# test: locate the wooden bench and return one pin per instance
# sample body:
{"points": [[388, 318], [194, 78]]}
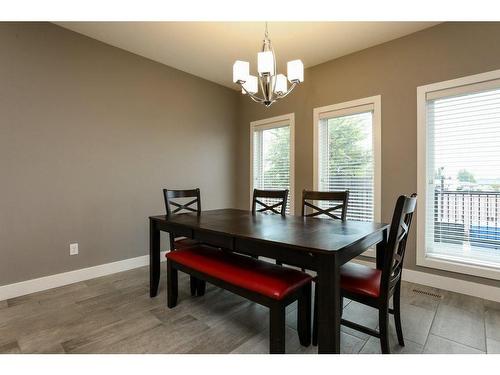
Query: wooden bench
{"points": [[261, 282]]}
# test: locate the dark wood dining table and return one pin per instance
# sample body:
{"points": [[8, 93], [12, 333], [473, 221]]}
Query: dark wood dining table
{"points": [[320, 245]]}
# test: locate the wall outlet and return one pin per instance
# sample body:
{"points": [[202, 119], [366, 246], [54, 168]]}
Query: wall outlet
{"points": [[73, 249]]}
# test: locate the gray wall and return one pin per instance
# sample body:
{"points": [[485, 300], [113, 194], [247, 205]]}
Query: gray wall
{"points": [[393, 70], [89, 135]]}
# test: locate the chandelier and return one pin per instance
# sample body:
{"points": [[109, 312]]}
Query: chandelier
{"points": [[273, 86]]}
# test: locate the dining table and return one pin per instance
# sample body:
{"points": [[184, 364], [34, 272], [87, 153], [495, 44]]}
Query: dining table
{"points": [[311, 243]]}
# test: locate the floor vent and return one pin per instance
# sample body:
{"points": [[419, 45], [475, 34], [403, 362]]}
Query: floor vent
{"points": [[427, 293]]}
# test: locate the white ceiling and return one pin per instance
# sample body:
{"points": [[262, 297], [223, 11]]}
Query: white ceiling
{"points": [[208, 49]]}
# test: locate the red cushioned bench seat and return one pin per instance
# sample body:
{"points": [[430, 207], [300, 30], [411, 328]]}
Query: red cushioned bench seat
{"points": [[262, 282], [244, 272]]}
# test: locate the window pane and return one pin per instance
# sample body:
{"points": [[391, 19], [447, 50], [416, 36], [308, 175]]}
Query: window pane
{"points": [[346, 161], [463, 159], [271, 164]]}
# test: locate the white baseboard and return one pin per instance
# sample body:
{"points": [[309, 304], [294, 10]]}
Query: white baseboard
{"points": [[48, 282], [451, 284], [469, 288]]}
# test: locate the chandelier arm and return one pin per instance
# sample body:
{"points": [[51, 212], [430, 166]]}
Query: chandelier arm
{"points": [[288, 92], [262, 88], [269, 85], [273, 81], [256, 99], [252, 96]]}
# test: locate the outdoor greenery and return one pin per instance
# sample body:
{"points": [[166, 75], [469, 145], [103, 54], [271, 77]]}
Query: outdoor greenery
{"points": [[464, 175], [346, 143], [277, 154], [346, 137]]}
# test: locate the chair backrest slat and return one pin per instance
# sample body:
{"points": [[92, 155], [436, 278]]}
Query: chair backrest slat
{"points": [[275, 201], [169, 195], [341, 198], [396, 243]]}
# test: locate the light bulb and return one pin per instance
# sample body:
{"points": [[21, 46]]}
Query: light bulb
{"points": [[265, 62], [295, 70], [251, 85], [241, 70], [281, 84]]}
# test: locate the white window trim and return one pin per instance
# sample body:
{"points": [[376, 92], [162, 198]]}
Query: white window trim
{"points": [[422, 258], [270, 123], [347, 107]]}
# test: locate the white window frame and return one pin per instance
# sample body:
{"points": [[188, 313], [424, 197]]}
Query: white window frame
{"points": [[352, 107], [270, 123], [482, 80]]}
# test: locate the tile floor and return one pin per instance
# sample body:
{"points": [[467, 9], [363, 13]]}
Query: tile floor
{"points": [[114, 314]]}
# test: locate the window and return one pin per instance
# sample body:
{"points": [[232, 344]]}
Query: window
{"points": [[347, 154], [459, 175], [272, 155]]}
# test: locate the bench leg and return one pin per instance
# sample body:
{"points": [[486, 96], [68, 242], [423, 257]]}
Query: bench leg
{"points": [[172, 285], [277, 329], [304, 315], [193, 284], [201, 286]]}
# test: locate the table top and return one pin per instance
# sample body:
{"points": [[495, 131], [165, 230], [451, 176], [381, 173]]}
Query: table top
{"points": [[315, 234]]}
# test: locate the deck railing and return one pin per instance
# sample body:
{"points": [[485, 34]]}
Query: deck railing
{"points": [[467, 216]]}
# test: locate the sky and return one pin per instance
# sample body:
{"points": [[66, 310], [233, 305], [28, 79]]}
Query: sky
{"points": [[467, 134]]}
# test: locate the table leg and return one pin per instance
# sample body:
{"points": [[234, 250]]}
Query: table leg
{"points": [[381, 249], [154, 259], [329, 308]]}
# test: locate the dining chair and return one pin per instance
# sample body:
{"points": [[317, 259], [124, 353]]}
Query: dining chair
{"points": [[270, 201], [375, 286], [339, 198], [175, 207]]}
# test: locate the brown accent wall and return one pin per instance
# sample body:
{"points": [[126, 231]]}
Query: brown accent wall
{"points": [[89, 135], [392, 70]]}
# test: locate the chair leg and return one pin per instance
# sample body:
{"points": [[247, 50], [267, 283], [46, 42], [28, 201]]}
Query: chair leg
{"points": [[397, 313], [304, 316], [193, 285], [315, 318], [383, 321], [201, 286], [277, 329], [172, 285]]}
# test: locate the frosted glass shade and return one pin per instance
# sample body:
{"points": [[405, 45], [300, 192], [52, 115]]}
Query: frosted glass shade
{"points": [[295, 70], [241, 70], [281, 84], [251, 85], [265, 62]]}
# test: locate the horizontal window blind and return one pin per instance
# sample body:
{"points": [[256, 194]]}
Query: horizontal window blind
{"points": [[271, 159], [463, 172], [346, 158]]}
